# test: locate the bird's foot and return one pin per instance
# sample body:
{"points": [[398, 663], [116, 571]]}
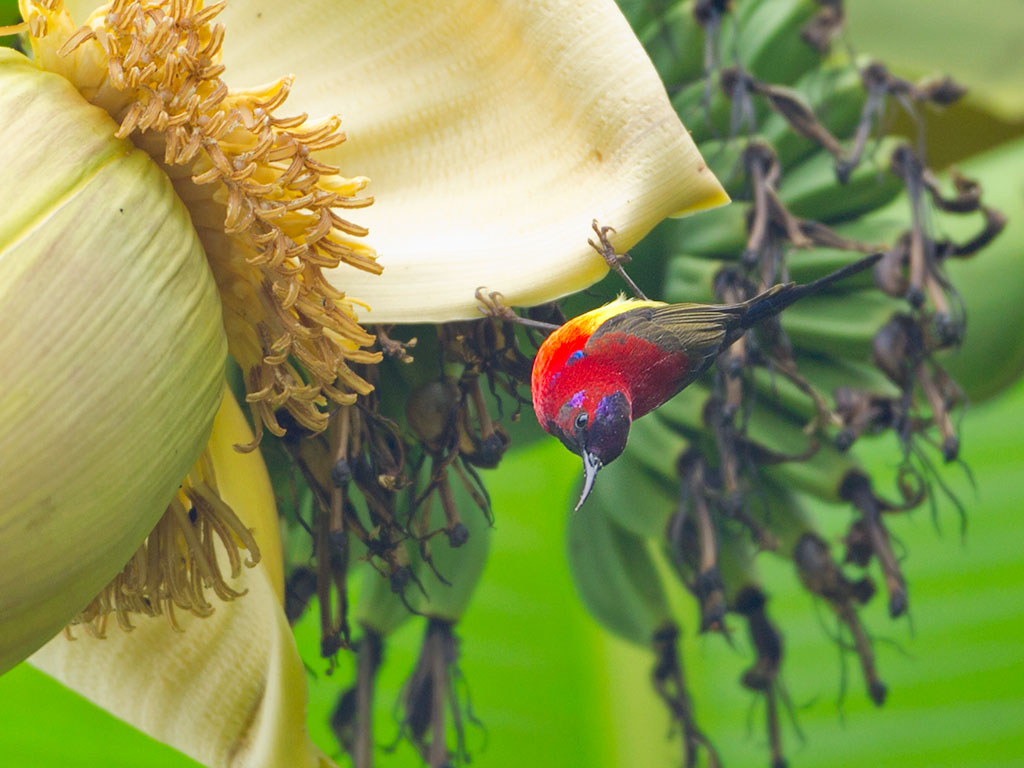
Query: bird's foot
{"points": [[395, 348], [492, 304], [614, 260]]}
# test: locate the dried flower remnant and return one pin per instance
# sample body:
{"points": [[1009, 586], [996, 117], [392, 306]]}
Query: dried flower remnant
{"points": [[178, 563]]}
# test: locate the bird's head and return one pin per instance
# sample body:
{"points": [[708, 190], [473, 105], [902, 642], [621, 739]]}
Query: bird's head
{"points": [[593, 423]]}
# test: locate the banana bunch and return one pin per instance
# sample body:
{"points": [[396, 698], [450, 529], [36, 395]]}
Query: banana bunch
{"points": [[438, 590], [716, 474], [394, 525]]}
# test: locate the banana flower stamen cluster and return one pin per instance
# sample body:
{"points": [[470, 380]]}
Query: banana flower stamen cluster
{"points": [[155, 68]]}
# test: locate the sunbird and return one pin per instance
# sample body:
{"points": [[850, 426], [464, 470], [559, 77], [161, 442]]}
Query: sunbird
{"points": [[599, 372]]}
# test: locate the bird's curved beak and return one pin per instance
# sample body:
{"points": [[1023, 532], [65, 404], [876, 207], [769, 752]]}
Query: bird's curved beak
{"points": [[590, 466]]}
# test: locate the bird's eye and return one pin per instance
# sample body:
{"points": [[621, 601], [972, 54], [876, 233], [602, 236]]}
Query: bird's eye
{"points": [[581, 420]]}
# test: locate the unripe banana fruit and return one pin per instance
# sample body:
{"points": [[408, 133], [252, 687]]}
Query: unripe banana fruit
{"points": [[112, 350], [992, 356], [616, 577]]}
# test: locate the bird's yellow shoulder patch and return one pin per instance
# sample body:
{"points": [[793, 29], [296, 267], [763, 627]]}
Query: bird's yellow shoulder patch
{"points": [[590, 321]]}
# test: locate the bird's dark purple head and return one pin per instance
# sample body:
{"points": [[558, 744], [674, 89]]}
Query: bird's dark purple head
{"points": [[600, 436], [606, 434]]}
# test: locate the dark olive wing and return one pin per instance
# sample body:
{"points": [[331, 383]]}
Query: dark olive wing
{"points": [[697, 330], [691, 328]]}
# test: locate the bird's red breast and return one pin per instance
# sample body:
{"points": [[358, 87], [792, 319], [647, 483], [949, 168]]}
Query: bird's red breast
{"points": [[581, 361]]}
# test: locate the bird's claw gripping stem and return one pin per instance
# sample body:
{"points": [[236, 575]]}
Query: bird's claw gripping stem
{"points": [[492, 304], [614, 260]]}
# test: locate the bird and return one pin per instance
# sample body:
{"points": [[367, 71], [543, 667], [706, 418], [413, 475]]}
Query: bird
{"points": [[602, 370]]}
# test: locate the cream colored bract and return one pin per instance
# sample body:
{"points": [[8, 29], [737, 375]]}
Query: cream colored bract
{"points": [[493, 134]]}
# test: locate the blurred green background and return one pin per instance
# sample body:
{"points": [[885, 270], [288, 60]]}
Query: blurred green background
{"points": [[551, 688]]}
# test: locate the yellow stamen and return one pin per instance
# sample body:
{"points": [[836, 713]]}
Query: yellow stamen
{"points": [[266, 210], [177, 564]]}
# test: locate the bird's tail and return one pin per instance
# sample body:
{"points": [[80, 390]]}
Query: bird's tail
{"points": [[778, 297]]}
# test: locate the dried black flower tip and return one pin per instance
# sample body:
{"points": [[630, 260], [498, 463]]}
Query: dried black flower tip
{"points": [[750, 603], [942, 91], [343, 718], [670, 685], [400, 578], [858, 544], [820, 575], [856, 488], [710, 11], [897, 348], [352, 718], [949, 331], [891, 272], [430, 697], [341, 473], [861, 413], [824, 26], [330, 644], [299, 589], [458, 535]]}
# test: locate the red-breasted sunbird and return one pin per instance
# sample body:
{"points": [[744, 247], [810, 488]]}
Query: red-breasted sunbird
{"points": [[601, 371]]}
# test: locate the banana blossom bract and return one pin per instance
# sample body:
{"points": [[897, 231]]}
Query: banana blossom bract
{"points": [[490, 136]]}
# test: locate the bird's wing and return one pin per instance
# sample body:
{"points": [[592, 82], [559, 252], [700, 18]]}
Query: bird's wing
{"points": [[699, 326], [690, 328], [696, 330]]}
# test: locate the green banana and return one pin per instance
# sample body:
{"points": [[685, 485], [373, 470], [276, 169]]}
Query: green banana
{"points": [[810, 189], [807, 266], [615, 575], [820, 476], [763, 30], [720, 233], [675, 43], [826, 374], [379, 605], [641, 492], [844, 327], [705, 120], [787, 518], [641, 14], [691, 278]]}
